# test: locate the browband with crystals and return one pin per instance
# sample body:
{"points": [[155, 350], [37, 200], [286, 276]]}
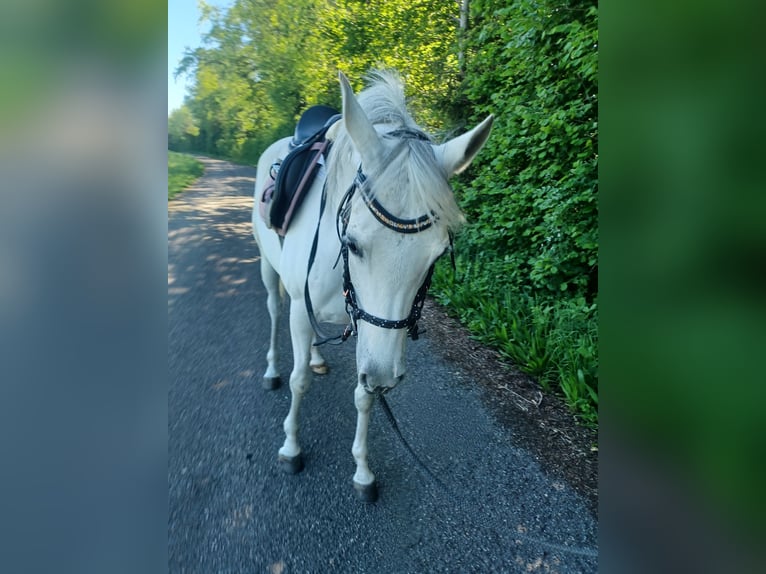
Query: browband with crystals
{"points": [[389, 220]]}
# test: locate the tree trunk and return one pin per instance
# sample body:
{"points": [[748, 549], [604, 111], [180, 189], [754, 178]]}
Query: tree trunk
{"points": [[461, 35]]}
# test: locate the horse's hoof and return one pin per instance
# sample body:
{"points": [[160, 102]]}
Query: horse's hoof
{"points": [[367, 492], [271, 383], [291, 464], [321, 369]]}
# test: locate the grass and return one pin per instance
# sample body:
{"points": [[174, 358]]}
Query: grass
{"points": [[555, 341], [183, 170]]}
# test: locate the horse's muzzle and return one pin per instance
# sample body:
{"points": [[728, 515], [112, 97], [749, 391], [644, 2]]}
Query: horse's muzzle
{"points": [[379, 384]]}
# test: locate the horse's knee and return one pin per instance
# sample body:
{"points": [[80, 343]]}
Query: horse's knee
{"points": [[362, 400], [300, 382]]}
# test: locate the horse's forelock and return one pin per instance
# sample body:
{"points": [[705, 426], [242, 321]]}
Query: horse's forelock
{"points": [[384, 102]]}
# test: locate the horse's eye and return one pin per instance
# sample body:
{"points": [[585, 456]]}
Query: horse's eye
{"points": [[352, 247]]}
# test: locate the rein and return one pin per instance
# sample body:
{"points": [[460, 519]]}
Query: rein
{"points": [[394, 425], [322, 338], [456, 498]]}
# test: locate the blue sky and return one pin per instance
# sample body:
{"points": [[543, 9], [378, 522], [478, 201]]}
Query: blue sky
{"points": [[184, 32]]}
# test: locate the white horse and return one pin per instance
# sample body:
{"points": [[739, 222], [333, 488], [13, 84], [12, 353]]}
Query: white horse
{"points": [[389, 209]]}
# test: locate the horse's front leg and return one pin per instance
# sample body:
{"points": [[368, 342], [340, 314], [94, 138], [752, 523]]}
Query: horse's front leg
{"points": [[300, 380], [270, 279], [364, 480]]}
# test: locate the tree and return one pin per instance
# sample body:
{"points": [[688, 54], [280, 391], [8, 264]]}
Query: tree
{"points": [[265, 61], [182, 129]]}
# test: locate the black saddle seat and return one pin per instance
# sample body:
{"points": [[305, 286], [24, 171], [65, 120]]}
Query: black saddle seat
{"points": [[311, 121]]}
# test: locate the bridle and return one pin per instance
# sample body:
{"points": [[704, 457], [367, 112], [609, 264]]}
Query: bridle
{"points": [[383, 216], [399, 225]]}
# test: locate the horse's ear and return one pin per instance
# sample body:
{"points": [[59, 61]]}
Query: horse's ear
{"points": [[457, 154], [359, 127]]}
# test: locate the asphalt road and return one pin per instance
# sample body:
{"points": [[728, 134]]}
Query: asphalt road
{"points": [[231, 507]]}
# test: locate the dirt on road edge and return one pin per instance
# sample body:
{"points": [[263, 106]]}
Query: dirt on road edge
{"points": [[563, 448]]}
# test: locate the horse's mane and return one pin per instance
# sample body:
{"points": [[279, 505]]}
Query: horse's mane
{"points": [[414, 166]]}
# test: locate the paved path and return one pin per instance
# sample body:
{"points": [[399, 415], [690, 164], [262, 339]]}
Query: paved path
{"points": [[233, 510]]}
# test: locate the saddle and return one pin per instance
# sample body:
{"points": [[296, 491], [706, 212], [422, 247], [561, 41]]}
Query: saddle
{"points": [[291, 178]]}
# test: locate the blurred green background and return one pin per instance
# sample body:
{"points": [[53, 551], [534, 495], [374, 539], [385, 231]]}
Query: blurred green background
{"points": [[682, 320], [683, 247]]}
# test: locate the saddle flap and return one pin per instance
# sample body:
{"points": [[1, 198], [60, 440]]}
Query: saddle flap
{"points": [[285, 190], [295, 175]]}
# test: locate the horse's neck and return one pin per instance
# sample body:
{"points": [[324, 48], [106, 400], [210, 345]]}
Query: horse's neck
{"points": [[337, 185]]}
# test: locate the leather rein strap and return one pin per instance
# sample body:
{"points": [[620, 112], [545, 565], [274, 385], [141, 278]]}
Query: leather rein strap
{"points": [[322, 338]]}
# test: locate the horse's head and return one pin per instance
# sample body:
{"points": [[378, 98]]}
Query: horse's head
{"points": [[395, 222]]}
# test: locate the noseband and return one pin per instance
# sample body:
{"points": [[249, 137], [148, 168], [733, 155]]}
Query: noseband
{"points": [[355, 312]]}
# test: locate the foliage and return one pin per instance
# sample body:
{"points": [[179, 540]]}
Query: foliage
{"points": [[539, 169], [182, 171], [182, 129], [264, 62], [529, 250], [554, 340]]}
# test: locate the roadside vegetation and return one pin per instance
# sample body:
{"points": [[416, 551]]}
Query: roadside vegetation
{"points": [[183, 170], [528, 256]]}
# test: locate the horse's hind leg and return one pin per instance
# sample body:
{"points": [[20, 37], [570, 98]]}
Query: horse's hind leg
{"points": [[317, 362], [270, 279], [300, 380]]}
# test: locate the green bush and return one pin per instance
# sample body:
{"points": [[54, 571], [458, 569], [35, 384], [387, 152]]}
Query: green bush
{"points": [[533, 65], [529, 252]]}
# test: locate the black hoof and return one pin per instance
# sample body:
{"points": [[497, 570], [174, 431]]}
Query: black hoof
{"points": [[291, 464], [271, 383], [367, 492]]}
